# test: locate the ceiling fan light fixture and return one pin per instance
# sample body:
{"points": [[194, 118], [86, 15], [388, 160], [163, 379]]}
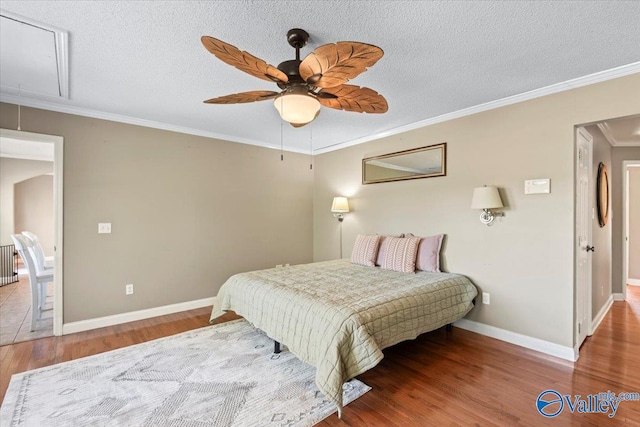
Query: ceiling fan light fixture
{"points": [[297, 108]]}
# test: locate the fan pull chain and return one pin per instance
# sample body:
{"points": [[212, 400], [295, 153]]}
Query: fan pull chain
{"points": [[281, 144], [311, 148], [19, 108]]}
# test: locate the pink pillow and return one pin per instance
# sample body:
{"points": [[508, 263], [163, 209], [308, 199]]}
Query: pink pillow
{"points": [[428, 258], [365, 250], [384, 242], [400, 254]]}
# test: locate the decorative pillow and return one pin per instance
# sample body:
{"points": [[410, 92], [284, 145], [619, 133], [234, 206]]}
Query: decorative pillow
{"points": [[365, 250], [428, 258], [401, 254], [384, 242]]}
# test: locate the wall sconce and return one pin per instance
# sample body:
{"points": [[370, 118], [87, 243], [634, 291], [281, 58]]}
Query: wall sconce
{"points": [[487, 198], [340, 207]]}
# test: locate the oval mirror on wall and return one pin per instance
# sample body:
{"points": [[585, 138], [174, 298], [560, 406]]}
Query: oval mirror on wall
{"points": [[602, 195]]}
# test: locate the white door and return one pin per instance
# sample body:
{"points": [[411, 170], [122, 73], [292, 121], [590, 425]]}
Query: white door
{"points": [[584, 215]]}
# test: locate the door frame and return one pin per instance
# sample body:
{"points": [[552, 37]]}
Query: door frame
{"points": [[626, 164], [58, 177], [590, 214]]}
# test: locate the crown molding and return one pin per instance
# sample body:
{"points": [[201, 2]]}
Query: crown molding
{"points": [[85, 112], [601, 76]]}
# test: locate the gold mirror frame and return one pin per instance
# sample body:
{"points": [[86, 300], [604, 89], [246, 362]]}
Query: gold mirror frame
{"points": [[602, 195], [423, 162]]}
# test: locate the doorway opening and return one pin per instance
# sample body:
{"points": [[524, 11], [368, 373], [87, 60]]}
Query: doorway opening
{"points": [[611, 250], [32, 173], [630, 225]]}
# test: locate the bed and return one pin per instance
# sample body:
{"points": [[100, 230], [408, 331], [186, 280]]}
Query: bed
{"points": [[338, 316]]}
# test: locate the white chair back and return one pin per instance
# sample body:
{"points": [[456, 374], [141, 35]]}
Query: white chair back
{"points": [[37, 281], [36, 250], [22, 245]]}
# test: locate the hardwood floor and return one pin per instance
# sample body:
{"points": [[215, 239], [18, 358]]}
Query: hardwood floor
{"points": [[441, 378]]}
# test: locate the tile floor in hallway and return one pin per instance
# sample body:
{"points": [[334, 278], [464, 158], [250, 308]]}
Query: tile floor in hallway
{"points": [[15, 313]]}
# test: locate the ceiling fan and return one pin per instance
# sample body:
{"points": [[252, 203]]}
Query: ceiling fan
{"points": [[305, 85]]}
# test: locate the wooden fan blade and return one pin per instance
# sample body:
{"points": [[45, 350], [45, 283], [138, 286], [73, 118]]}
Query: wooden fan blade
{"points": [[243, 61], [243, 97], [355, 98], [331, 65]]}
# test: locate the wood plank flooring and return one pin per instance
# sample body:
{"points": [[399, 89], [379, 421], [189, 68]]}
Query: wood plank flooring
{"points": [[441, 378]]}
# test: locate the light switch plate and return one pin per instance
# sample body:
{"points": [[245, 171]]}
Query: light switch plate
{"points": [[537, 186], [104, 227]]}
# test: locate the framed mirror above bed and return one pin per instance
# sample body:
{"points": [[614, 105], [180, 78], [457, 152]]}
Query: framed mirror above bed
{"points": [[423, 162]]}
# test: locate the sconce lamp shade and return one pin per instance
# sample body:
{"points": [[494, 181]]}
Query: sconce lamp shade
{"points": [[340, 205], [486, 198], [297, 108]]}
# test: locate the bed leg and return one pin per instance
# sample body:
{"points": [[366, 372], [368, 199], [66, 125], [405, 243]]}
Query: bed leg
{"points": [[276, 347], [449, 327]]}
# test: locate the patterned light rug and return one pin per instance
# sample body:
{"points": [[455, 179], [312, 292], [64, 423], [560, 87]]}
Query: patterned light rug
{"points": [[223, 375]]}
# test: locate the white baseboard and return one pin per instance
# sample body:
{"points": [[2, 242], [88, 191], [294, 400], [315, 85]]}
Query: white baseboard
{"points": [[618, 297], [536, 344], [633, 282], [603, 312], [132, 316]]}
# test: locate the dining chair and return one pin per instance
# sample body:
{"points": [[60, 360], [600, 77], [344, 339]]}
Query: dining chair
{"points": [[42, 261], [37, 281]]}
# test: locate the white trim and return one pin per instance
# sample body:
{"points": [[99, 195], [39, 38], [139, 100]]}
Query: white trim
{"points": [[42, 158], [618, 297], [58, 217], [604, 128], [603, 312], [58, 213], [132, 316], [601, 76], [85, 112], [553, 349], [598, 77], [633, 282]]}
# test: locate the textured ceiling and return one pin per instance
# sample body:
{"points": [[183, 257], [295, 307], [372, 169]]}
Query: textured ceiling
{"points": [[144, 59]]}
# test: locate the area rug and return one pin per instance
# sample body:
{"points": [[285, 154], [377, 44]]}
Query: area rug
{"points": [[222, 375]]}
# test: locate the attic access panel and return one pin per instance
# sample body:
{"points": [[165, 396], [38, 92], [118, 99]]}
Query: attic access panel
{"points": [[33, 58]]}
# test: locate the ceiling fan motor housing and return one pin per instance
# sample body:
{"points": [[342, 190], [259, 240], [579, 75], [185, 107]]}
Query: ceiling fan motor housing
{"points": [[292, 69]]}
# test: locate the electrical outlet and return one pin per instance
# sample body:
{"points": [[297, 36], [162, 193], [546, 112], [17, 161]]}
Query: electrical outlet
{"points": [[279, 266], [286, 265], [486, 298], [128, 289], [104, 227]]}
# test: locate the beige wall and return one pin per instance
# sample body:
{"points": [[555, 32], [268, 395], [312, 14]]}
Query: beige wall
{"points": [[634, 223], [526, 259], [600, 236], [13, 171], [186, 212], [618, 155], [33, 209]]}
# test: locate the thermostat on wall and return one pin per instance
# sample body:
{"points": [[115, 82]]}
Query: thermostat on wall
{"points": [[537, 186]]}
